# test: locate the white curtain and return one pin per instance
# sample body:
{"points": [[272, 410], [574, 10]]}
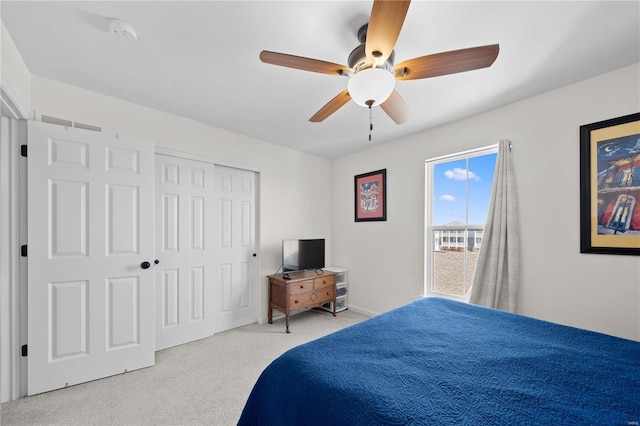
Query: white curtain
{"points": [[497, 276]]}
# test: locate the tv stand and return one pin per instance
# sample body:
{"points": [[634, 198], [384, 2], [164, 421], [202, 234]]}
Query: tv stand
{"points": [[302, 291]]}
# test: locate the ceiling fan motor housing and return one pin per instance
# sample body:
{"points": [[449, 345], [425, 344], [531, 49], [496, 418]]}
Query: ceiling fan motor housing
{"points": [[357, 60], [358, 57]]}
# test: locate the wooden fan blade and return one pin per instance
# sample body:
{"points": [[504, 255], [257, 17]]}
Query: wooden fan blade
{"points": [[387, 17], [445, 63], [301, 63], [395, 108], [332, 106]]}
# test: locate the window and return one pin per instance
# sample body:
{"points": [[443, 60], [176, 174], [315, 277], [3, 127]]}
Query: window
{"points": [[458, 188]]}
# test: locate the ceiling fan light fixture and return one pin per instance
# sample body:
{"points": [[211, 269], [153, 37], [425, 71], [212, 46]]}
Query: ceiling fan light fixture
{"points": [[372, 84]]}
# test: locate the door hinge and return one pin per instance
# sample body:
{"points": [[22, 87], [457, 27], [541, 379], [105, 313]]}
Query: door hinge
{"points": [[23, 150], [23, 250], [24, 350]]}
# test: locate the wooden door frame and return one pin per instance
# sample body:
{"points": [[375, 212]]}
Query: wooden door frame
{"points": [[13, 214]]}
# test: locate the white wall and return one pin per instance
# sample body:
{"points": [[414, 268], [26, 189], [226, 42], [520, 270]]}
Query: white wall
{"points": [[597, 292], [15, 77], [285, 174]]}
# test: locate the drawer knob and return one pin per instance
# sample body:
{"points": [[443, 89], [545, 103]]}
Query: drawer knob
{"points": [[301, 286], [295, 301]]}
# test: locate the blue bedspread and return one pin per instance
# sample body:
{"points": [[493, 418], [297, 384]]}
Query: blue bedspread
{"points": [[440, 362]]}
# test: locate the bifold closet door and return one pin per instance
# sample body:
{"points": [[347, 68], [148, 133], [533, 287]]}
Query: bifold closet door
{"points": [[236, 259], [185, 277], [90, 230]]}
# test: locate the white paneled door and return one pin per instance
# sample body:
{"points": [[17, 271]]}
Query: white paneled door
{"points": [[90, 232], [185, 279], [235, 258]]}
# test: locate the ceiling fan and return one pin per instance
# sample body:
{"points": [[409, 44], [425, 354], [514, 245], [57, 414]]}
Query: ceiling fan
{"points": [[371, 70]]}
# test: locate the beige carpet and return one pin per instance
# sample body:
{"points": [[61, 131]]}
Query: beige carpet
{"points": [[201, 383]]}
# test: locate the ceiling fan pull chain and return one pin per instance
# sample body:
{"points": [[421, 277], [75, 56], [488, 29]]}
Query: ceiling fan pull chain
{"points": [[370, 103]]}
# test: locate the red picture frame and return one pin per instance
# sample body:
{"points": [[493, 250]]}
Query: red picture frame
{"points": [[370, 196]]}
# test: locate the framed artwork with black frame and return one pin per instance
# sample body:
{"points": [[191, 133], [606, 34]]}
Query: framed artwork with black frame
{"points": [[610, 186], [371, 196]]}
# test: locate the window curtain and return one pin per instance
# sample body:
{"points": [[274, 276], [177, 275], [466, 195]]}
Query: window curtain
{"points": [[497, 276]]}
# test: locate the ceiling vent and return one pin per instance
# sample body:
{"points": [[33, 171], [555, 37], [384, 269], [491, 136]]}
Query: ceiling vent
{"points": [[69, 123]]}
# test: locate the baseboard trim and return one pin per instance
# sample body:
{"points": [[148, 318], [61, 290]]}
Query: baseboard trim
{"points": [[362, 311]]}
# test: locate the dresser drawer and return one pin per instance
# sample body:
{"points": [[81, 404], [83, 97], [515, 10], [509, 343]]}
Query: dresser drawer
{"points": [[311, 298], [301, 287], [328, 293], [322, 282], [302, 300]]}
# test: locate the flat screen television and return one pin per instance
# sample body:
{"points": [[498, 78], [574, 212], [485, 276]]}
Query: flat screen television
{"points": [[302, 255]]}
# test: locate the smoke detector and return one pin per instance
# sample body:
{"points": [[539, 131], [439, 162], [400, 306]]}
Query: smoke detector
{"points": [[122, 29]]}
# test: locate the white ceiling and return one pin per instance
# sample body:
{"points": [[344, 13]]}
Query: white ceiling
{"points": [[200, 59]]}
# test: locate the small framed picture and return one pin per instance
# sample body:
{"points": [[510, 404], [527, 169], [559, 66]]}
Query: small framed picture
{"points": [[371, 196], [610, 186]]}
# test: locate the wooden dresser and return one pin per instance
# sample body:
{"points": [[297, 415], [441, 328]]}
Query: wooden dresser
{"points": [[304, 290]]}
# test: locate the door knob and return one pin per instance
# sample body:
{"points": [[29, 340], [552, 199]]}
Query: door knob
{"points": [[145, 265], [254, 254], [156, 261]]}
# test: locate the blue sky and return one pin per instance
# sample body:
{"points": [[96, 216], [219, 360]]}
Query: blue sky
{"points": [[450, 190]]}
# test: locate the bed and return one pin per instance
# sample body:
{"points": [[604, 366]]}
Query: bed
{"points": [[441, 362]]}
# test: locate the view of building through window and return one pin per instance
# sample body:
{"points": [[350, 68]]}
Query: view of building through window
{"points": [[458, 192]]}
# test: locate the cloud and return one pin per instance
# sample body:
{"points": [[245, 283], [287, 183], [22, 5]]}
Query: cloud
{"points": [[461, 174], [447, 197]]}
